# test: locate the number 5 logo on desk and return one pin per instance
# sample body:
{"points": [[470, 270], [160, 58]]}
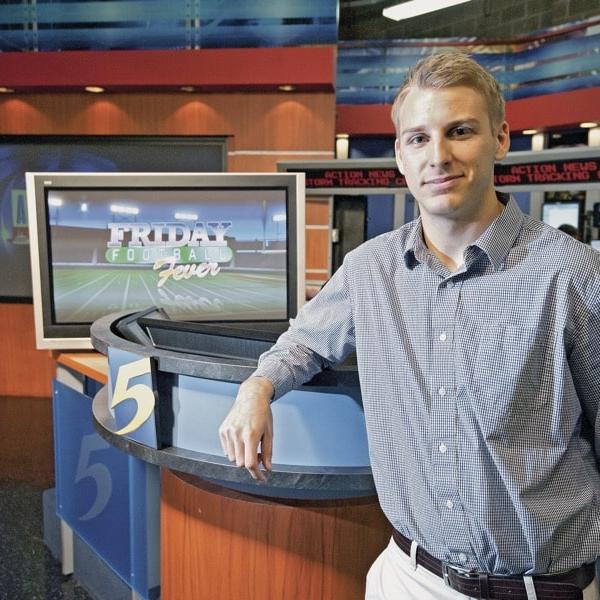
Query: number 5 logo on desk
{"points": [[134, 419]]}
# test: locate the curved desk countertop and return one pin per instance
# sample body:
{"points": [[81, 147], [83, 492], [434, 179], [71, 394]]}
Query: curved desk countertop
{"points": [[320, 446]]}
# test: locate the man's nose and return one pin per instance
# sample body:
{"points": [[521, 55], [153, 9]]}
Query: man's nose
{"points": [[439, 152]]}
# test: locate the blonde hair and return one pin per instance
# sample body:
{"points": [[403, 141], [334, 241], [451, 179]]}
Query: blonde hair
{"points": [[448, 69]]}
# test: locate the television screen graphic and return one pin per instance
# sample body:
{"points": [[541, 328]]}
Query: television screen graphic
{"points": [[199, 254]]}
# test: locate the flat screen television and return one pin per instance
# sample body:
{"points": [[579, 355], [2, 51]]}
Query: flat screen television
{"points": [[201, 247]]}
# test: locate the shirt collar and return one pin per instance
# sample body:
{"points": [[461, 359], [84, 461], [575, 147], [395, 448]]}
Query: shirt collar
{"points": [[414, 245], [495, 241]]}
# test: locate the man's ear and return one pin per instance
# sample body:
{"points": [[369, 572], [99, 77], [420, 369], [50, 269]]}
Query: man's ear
{"points": [[502, 141], [398, 156]]}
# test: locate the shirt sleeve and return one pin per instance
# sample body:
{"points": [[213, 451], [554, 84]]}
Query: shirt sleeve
{"points": [[322, 334], [585, 363]]}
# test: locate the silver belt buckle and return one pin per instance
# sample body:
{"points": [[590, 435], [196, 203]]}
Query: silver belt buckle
{"points": [[462, 572]]}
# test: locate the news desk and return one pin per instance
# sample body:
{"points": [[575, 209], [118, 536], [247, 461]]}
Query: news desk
{"points": [[310, 532]]}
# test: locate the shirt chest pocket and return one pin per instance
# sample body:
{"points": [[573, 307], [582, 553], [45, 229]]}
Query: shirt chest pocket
{"points": [[507, 367]]}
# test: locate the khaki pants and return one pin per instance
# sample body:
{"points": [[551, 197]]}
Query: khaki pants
{"points": [[392, 577]]}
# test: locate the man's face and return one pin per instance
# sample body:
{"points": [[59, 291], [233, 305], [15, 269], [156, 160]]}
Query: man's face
{"points": [[446, 150]]}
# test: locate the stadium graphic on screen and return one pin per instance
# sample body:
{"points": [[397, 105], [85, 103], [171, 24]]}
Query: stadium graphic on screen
{"points": [[114, 250]]}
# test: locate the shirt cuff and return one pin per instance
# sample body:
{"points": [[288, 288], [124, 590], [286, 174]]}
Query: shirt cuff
{"points": [[279, 375]]}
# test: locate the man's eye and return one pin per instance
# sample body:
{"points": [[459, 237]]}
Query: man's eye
{"points": [[460, 131], [416, 139]]}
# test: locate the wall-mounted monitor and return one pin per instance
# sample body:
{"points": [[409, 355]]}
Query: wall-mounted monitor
{"points": [[201, 247], [82, 153]]}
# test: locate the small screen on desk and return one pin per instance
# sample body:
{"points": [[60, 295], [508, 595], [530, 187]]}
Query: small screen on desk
{"points": [[561, 213]]}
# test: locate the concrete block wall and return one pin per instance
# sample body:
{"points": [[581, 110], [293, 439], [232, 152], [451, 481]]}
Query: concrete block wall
{"points": [[483, 19]]}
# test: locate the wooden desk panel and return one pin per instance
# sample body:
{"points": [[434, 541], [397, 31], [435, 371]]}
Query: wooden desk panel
{"points": [[217, 544]]}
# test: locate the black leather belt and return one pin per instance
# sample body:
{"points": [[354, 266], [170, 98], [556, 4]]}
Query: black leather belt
{"points": [[553, 586]]}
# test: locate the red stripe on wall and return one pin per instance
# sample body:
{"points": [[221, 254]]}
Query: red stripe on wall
{"points": [[553, 110], [254, 68]]}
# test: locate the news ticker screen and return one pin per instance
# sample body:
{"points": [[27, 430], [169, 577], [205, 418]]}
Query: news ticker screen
{"points": [[529, 173]]}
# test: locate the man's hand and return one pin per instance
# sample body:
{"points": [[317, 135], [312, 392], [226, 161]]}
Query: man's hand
{"points": [[248, 424]]}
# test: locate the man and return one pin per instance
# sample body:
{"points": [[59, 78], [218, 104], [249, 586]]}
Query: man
{"points": [[477, 334], [570, 230]]}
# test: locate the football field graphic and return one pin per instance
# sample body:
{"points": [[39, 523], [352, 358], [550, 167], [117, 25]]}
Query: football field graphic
{"points": [[197, 254], [82, 294]]}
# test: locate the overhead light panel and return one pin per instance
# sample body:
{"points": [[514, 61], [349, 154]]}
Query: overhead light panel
{"points": [[342, 146], [414, 8], [588, 125], [94, 89], [530, 131], [184, 216], [124, 210]]}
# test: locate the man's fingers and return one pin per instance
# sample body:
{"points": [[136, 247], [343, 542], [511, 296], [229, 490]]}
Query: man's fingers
{"points": [[228, 450], [256, 473], [228, 446], [243, 451], [239, 454], [251, 459], [266, 448]]}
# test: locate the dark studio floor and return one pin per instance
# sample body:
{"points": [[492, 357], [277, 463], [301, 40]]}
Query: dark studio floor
{"points": [[27, 569]]}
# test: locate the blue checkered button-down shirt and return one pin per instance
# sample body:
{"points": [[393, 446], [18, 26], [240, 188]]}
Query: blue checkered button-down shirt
{"points": [[481, 389]]}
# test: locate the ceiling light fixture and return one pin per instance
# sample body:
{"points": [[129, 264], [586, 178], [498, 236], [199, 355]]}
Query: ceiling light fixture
{"points": [[530, 131], [5, 90], [588, 125], [342, 146], [124, 210], [184, 216], [94, 89], [414, 8], [287, 88], [187, 88]]}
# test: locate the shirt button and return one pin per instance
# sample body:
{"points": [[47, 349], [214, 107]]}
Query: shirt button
{"points": [[449, 504], [450, 284], [442, 448], [442, 391], [462, 557], [443, 336]]}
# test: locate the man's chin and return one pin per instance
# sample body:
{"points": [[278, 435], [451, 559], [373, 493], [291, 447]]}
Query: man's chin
{"points": [[441, 205]]}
